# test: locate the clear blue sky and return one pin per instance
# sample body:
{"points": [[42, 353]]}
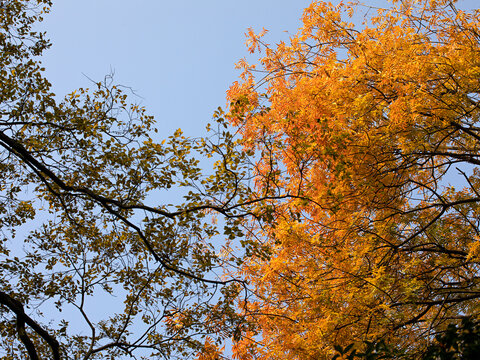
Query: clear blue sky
{"points": [[178, 55]]}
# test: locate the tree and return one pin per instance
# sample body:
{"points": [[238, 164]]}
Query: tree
{"points": [[376, 129], [82, 218], [462, 342]]}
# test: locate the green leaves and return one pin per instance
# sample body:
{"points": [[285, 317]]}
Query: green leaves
{"points": [[87, 214]]}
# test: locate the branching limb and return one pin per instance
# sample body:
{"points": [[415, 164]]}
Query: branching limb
{"points": [[22, 319]]}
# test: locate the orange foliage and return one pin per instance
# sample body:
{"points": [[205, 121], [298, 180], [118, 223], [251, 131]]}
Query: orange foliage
{"points": [[365, 128], [210, 350]]}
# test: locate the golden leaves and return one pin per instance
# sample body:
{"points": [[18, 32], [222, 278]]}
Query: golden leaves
{"points": [[253, 40], [366, 124]]}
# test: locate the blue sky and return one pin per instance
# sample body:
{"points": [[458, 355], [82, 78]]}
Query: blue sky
{"points": [[178, 55]]}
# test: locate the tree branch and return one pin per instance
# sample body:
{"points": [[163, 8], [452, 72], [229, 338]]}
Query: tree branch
{"points": [[22, 319]]}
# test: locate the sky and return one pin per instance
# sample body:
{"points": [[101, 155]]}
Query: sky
{"points": [[178, 56]]}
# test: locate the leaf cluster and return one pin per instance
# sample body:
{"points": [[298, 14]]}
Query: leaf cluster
{"points": [[372, 130]]}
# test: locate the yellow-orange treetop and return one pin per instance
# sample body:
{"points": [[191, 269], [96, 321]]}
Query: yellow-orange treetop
{"points": [[374, 129]]}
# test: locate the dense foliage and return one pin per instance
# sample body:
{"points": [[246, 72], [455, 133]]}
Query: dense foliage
{"points": [[354, 234], [376, 128], [460, 341]]}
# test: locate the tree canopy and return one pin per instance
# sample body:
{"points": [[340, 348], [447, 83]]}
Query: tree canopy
{"points": [[335, 213], [375, 127], [84, 220]]}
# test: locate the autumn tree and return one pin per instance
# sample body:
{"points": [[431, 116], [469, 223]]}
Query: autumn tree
{"points": [[375, 127], [94, 262]]}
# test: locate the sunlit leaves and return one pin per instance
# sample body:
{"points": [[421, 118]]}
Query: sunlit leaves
{"points": [[373, 130]]}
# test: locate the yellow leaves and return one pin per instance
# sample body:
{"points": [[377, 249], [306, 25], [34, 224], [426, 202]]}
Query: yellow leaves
{"points": [[361, 122], [244, 349], [210, 350], [253, 40], [25, 210], [474, 251]]}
